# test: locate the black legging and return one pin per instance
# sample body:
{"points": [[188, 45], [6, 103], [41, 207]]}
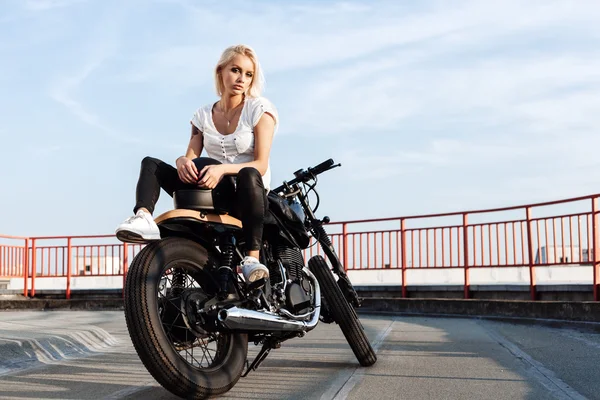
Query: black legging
{"points": [[250, 203]]}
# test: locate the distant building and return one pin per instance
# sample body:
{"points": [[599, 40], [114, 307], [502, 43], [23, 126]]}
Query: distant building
{"points": [[561, 255], [98, 265]]}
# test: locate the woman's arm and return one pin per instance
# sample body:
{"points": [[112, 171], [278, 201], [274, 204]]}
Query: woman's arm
{"points": [[195, 145], [186, 169]]}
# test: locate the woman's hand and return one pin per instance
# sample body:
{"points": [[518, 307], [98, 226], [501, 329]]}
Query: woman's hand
{"points": [[211, 175], [187, 171]]}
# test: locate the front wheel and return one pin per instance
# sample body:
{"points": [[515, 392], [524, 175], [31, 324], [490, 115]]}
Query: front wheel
{"points": [[168, 280], [342, 312]]}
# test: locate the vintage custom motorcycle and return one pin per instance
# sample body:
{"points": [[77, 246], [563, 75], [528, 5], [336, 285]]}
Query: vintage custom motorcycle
{"points": [[191, 315]]}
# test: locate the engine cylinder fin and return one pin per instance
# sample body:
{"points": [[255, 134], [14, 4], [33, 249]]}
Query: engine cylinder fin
{"points": [[292, 260]]}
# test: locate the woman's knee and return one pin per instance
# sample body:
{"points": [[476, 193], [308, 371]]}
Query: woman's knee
{"points": [[202, 162], [249, 179], [146, 161], [249, 174]]}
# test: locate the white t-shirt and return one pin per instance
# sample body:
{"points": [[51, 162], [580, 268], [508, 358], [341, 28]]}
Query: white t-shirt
{"points": [[237, 147]]}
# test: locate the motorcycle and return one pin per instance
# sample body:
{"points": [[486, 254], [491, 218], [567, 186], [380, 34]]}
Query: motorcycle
{"points": [[191, 315]]}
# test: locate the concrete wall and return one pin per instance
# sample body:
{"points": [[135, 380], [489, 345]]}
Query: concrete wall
{"points": [[478, 276], [77, 283], [557, 275]]}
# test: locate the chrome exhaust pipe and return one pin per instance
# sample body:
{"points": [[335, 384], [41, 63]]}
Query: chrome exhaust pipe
{"points": [[242, 320]]}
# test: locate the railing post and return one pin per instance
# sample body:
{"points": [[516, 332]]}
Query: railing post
{"points": [[69, 268], [26, 269], [345, 241], [596, 253], [33, 267], [403, 257], [125, 264], [466, 254], [532, 289]]}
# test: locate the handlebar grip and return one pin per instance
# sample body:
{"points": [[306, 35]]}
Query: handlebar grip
{"points": [[324, 166]]}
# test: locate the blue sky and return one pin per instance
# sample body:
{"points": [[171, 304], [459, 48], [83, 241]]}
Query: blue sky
{"points": [[430, 107]]}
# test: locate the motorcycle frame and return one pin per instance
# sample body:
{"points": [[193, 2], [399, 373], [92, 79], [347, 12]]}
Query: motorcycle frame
{"points": [[185, 223]]}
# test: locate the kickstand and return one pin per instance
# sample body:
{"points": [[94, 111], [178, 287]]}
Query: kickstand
{"points": [[262, 354]]}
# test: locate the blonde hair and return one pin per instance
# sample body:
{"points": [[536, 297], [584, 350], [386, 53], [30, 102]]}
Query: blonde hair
{"points": [[257, 84]]}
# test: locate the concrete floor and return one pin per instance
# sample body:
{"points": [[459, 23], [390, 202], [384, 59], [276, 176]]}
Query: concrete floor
{"points": [[88, 355]]}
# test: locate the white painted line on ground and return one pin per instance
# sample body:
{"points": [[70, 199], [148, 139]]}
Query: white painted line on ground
{"points": [[345, 382], [537, 370], [18, 354], [124, 393]]}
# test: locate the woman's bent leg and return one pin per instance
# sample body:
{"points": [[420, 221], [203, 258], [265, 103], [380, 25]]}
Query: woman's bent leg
{"points": [[154, 175], [251, 204]]}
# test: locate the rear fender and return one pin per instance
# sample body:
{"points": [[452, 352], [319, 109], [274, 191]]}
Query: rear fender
{"points": [[197, 226], [200, 216]]}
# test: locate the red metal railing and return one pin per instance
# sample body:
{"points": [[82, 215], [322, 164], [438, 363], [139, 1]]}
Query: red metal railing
{"points": [[14, 258], [526, 236], [520, 241], [73, 261]]}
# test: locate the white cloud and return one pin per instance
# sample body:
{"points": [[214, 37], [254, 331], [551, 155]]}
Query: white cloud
{"points": [[439, 154], [472, 103], [44, 5], [102, 45], [331, 9], [383, 91], [349, 66], [468, 104], [481, 85], [176, 68], [45, 151], [293, 36], [63, 91]]}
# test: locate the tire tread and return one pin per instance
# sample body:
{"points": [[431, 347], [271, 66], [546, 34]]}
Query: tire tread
{"points": [[143, 335], [342, 313]]}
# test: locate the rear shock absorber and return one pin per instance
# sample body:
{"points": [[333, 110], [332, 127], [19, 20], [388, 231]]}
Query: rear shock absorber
{"points": [[178, 281], [226, 268]]}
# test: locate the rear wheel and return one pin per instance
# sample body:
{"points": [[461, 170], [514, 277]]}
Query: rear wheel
{"points": [[342, 312], [165, 285]]}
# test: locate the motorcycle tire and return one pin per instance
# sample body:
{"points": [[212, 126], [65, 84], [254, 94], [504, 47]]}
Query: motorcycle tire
{"points": [[148, 333], [342, 312]]}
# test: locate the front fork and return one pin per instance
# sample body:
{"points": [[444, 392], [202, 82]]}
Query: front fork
{"points": [[316, 227], [337, 267]]}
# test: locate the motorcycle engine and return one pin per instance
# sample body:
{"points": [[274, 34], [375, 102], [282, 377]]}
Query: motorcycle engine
{"points": [[297, 293], [296, 299]]}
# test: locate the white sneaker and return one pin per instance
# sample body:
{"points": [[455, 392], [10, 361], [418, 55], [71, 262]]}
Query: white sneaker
{"points": [[140, 228], [253, 270]]}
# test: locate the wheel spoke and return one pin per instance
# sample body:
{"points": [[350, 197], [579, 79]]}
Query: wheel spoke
{"points": [[206, 350], [177, 279], [187, 352], [172, 324], [203, 354]]}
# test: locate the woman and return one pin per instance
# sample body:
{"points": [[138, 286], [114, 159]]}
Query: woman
{"points": [[236, 132]]}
